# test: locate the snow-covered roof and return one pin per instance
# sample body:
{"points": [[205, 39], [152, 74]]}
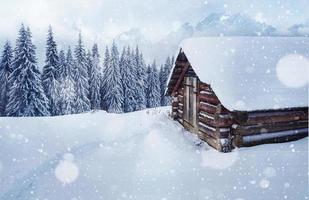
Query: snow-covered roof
{"points": [[252, 73]]}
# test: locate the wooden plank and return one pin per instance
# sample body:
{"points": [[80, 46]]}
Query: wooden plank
{"points": [[213, 142], [210, 98], [174, 109], [205, 87], [181, 91], [275, 116], [284, 117], [222, 123], [175, 104], [180, 120], [180, 98], [272, 127], [207, 109], [180, 78], [181, 63], [205, 114], [286, 137], [180, 115], [208, 131]]}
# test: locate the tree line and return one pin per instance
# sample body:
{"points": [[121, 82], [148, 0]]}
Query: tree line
{"points": [[75, 81]]}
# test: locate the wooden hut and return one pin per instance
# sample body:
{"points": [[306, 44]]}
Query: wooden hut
{"points": [[241, 91]]}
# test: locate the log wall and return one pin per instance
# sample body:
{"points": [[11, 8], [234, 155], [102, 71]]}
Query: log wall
{"points": [[269, 126], [214, 121]]}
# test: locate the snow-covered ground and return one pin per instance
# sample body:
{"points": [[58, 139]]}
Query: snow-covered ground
{"points": [[141, 155]]}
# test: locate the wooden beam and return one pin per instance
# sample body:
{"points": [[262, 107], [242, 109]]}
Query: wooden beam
{"points": [[182, 75], [271, 127], [274, 116], [209, 98], [286, 137]]}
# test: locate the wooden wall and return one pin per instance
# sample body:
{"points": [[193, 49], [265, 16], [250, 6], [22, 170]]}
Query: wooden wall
{"points": [[269, 126], [214, 121]]}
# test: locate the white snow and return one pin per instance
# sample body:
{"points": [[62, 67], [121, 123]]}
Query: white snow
{"points": [[294, 77], [140, 155], [252, 73], [66, 172]]}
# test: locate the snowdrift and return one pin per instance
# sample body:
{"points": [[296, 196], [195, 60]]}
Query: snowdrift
{"points": [[140, 155]]}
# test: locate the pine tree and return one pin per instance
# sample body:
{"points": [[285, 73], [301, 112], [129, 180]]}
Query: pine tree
{"points": [[161, 80], [66, 103], [106, 65], [26, 96], [113, 96], [153, 87], [94, 75], [164, 74], [147, 88], [122, 66], [88, 63], [129, 82], [81, 78], [51, 72], [61, 65], [140, 80], [6, 68]]}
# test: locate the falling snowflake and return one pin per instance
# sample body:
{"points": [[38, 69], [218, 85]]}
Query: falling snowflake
{"points": [[264, 183], [67, 171], [292, 70]]}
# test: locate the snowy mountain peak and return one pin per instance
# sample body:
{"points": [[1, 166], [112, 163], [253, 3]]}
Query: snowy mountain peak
{"points": [[238, 24]]}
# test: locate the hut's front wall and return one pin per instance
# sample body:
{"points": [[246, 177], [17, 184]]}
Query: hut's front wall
{"points": [[213, 121]]}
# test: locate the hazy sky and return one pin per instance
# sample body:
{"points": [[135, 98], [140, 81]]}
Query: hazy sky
{"points": [[101, 20]]}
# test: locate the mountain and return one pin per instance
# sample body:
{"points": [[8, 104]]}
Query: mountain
{"points": [[131, 37], [217, 24], [301, 29]]}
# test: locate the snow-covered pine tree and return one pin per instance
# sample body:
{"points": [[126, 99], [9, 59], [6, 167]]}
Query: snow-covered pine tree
{"points": [[135, 88], [172, 62], [26, 95], [61, 65], [113, 95], [88, 63], [161, 80], [66, 103], [129, 82], [140, 77], [103, 86], [122, 66], [51, 72], [60, 72], [154, 87], [147, 88], [6, 68], [164, 74], [81, 78], [94, 79]]}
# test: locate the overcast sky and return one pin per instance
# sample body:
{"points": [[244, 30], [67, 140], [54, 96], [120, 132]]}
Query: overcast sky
{"points": [[101, 20]]}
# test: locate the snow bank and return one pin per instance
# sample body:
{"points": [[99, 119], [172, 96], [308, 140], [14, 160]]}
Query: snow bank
{"points": [[140, 155], [253, 73]]}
